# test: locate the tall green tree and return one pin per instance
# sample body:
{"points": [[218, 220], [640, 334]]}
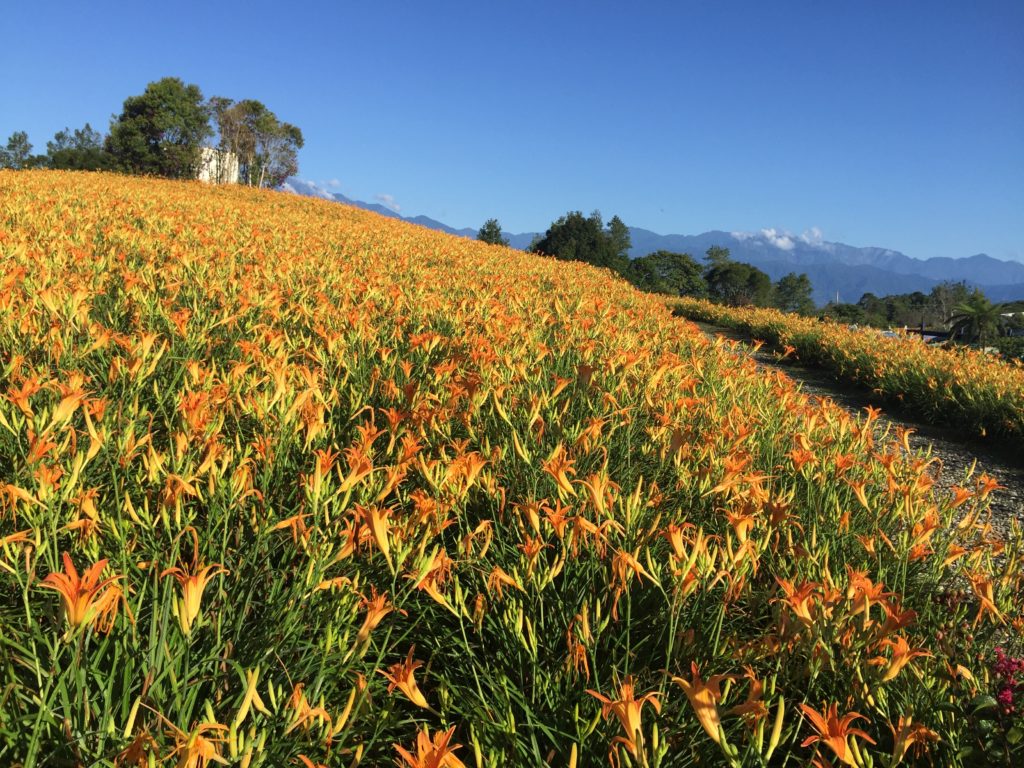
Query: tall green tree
{"points": [[17, 154], [716, 256], [79, 150], [677, 274], [792, 293], [619, 240], [976, 320], [576, 237], [734, 282], [491, 233], [160, 132], [266, 147]]}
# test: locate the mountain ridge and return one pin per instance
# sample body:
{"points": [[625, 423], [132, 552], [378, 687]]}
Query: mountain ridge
{"points": [[833, 268]]}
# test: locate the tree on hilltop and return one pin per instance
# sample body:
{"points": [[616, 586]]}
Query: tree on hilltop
{"points": [[792, 293], [491, 233], [79, 150], [160, 132], [734, 282], [716, 256], [575, 237], [266, 147], [18, 152], [676, 274]]}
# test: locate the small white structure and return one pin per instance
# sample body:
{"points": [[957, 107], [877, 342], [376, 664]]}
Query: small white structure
{"points": [[217, 167]]}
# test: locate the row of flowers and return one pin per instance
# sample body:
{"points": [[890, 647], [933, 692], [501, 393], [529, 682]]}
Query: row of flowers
{"points": [[958, 386]]}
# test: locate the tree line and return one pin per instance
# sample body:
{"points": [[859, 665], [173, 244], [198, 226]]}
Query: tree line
{"points": [[952, 308], [966, 314], [162, 132], [577, 237]]}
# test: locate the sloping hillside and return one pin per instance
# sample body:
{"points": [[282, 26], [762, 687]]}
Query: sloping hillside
{"points": [[286, 482]]}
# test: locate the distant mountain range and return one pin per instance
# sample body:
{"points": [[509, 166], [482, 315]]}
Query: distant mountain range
{"points": [[835, 269]]}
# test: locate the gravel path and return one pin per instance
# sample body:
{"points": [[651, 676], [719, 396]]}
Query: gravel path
{"points": [[955, 451]]}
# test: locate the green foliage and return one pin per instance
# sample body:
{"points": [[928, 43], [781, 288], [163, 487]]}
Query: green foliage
{"points": [[491, 233], [618, 238], [931, 310], [735, 283], [716, 256], [793, 294], [844, 313], [266, 147], [677, 274], [160, 132], [1011, 346], [976, 320], [18, 152], [79, 150], [575, 237]]}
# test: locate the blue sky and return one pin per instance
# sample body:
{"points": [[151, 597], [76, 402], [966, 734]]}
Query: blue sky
{"points": [[895, 124]]}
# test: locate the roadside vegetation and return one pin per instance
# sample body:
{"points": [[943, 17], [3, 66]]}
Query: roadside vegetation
{"points": [[954, 385], [287, 483]]}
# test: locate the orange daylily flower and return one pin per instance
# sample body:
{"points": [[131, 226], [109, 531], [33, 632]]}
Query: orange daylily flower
{"points": [[834, 731], [499, 579], [436, 752], [704, 698], [902, 654], [560, 467], [377, 607], [192, 583], [359, 466], [137, 752], [401, 676], [87, 599], [960, 495], [624, 566], [376, 518], [600, 492], [984, 591], [754, 708], [906, 734], [197, 748], [304, 715], [18, 537], [296, 524], [800, 599], [862, 591], [627, 708], [435, 576]]}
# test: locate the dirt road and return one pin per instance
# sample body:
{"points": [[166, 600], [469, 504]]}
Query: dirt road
{"points": [[956, 452]]}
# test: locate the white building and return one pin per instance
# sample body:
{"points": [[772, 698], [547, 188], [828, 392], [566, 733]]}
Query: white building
{"points": [[217, 167]]}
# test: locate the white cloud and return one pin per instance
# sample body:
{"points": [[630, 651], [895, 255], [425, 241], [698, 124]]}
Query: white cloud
{"points": [[388, 201], [333, 183], [307, 188], [813, 236], [781, 240], [741, 236]]}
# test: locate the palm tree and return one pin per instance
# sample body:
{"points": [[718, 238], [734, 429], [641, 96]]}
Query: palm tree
{"points": [[975, 320]]}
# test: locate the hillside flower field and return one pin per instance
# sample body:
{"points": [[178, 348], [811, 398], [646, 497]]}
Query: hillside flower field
{"points": [[957, 386], [287, 483]]}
